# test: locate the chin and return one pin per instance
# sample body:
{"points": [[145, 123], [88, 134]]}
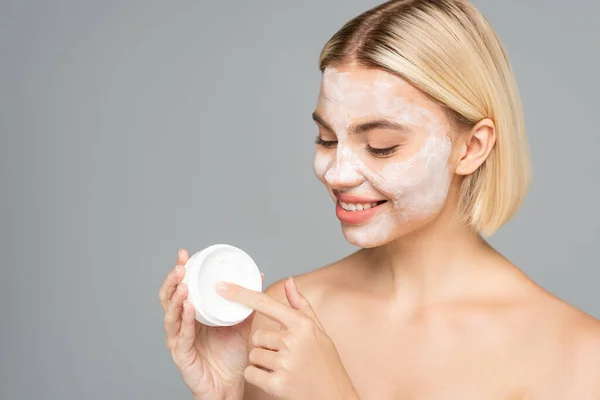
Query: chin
{"points": [[386, 229]]}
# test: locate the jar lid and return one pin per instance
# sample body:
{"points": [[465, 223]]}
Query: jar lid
{"points": [[220, 262]]}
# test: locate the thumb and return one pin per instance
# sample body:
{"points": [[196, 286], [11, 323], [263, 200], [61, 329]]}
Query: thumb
{"points": [[298, 301]]}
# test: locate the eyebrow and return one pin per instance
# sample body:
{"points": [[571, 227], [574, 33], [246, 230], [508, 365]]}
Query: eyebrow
{"points": [[365, 126]]}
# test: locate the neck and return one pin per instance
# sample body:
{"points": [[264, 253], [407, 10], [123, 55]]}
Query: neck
{"points": [[439, 262]]}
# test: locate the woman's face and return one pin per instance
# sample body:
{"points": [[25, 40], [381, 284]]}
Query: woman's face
{"points": [[383, 153]]}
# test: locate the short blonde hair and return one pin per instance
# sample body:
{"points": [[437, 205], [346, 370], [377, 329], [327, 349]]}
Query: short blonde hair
{"points": [[448, 50]]}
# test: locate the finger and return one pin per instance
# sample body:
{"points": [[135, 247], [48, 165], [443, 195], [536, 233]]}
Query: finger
{"points": [[263, 358], [258, 377], [187, 333], [267, 339], [261, 302], [173, 315], [182, 256], [299, 302], [169, 285]]}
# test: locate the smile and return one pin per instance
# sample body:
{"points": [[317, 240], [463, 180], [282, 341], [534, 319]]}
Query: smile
{"points": [[357, 213], [353, 207]]}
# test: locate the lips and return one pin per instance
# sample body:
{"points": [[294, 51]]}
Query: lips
{"points": [[354, 210], [348, 198], [358, 206]]}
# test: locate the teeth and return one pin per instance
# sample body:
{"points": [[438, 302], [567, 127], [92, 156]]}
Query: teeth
{"points": [[356, 206]]}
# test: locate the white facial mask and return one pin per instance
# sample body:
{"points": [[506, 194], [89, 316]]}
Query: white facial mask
{"points": [[415, 187]]}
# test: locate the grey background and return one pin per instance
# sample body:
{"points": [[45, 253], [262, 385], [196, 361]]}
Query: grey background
{"points": [[132, 128]]}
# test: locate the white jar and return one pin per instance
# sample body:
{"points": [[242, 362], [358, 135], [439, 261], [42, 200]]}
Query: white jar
{"points": [[220, 262]]}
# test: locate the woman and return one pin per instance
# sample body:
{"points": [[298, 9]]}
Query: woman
{"points": [[422, 148]]}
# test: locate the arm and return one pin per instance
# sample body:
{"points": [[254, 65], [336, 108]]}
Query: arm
{"points": [[587, 371], [582, 366]]}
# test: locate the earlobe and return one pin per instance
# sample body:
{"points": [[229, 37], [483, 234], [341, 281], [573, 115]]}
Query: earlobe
{"points": [[479, 143]]}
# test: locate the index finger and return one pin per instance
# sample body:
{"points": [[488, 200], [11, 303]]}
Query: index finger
{"points": [[261, 302]]}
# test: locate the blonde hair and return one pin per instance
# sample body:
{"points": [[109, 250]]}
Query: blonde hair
{"points": [[448, 50]]}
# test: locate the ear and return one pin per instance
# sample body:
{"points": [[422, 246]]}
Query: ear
{"points": [[477, 146]]}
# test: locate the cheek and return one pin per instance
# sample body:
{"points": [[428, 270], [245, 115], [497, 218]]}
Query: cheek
{"points": [[321, 163], [422, 179], [396, 179]]}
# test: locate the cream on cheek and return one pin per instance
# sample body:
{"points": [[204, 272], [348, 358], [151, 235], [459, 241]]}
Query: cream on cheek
{"points": [[419, 185], [416, 186]]}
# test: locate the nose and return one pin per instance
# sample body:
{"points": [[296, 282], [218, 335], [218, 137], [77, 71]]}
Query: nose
{"points": [[344, 169]]}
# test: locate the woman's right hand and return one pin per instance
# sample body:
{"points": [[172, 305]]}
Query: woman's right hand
{"points": [[211, 360]]}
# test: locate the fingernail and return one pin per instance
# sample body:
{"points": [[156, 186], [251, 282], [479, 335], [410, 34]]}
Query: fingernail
{"points": [[221, 287], [179, 251], [293, 283]]}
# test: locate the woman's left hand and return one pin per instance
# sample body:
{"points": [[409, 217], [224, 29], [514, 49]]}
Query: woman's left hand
{"points": [[301, 359]]}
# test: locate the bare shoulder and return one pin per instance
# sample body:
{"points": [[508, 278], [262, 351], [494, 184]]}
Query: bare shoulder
{"points": [[580, 328], [579, 353], [584, 334]]}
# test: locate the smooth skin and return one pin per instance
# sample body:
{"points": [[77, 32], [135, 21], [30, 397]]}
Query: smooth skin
{"points": [[508, 340], [433, 314]]}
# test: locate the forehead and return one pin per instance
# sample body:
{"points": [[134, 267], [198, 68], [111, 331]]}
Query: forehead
{"points": [[369, 89]]}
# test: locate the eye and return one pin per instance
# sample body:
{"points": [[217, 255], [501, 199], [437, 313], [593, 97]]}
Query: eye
{"points": [[382, 152], [327, 143]]}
